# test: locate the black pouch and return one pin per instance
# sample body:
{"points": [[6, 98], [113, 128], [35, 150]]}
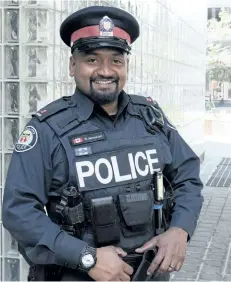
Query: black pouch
{"points": [[105, 221], [136, 212]]}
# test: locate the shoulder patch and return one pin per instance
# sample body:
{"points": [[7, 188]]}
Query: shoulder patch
{"points": [[27, 139]]}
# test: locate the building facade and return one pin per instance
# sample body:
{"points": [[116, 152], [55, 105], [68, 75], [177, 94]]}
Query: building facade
{"points": [[167, 63]]}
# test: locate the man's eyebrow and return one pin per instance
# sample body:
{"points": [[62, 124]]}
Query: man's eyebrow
{"points": [[97, 54], [90, 53], [118, 54]]}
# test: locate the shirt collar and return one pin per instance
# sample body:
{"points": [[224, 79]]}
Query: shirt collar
{"points": [[123, 102], [85, 105]]}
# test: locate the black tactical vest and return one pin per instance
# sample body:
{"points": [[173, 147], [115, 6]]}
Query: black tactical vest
{"points": [[120, 164]]}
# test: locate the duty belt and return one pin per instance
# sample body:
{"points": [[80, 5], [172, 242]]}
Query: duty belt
{"points": [[133, 260], [140, 264]]}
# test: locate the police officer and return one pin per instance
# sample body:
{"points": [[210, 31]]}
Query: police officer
{"points": [[80, 195]]}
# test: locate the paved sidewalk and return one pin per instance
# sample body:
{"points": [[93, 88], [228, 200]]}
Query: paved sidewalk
{"points": [[209, 251]]}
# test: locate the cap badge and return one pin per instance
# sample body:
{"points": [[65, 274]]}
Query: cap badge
{"points": [[106, 26]]}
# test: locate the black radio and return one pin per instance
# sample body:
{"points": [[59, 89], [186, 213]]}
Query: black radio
{"points": [[71, 211], [105, 221]]}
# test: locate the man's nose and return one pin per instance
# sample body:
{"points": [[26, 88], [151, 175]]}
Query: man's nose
{"points": [[106, 70]]}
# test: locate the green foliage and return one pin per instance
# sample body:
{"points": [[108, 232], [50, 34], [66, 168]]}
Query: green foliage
{"points": [[219, 49]]}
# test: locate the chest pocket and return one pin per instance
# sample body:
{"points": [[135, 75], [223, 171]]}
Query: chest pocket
{"points": [[135, 212]]}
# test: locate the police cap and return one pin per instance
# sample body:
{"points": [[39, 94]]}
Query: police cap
{"points": [[99, 26]]}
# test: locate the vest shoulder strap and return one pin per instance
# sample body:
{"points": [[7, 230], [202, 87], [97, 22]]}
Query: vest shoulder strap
{"points": [[150, 111], [161, 118], [53, 108]]}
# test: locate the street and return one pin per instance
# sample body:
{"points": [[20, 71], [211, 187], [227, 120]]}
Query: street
{"points": [[209, 251]]}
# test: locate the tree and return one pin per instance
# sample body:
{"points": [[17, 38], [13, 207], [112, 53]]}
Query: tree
{"points": [[219, 48]]}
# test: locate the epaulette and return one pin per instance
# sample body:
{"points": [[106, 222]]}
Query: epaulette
{"points": [[53, 108], [142, 100]]}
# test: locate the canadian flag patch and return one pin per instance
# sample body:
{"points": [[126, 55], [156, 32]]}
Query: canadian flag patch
{"points": [[77, 140]]}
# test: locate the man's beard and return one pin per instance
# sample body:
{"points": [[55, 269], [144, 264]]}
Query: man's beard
{"points": [[106, 96]]}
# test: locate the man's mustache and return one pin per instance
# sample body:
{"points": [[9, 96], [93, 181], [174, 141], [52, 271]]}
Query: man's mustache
{"points": [[115, 79]]}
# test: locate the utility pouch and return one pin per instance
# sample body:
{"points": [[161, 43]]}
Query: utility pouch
{"points": [[105, 221], [136, 212]]}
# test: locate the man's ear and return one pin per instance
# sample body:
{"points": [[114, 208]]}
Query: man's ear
{"points": [[128, 62], [72, 66]]}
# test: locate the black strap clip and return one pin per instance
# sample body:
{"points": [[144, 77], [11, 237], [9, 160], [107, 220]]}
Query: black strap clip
{"points": [[153, 118]]}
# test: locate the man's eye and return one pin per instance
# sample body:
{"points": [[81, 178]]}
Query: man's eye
{"points": [[117, 61], [91, 60]]}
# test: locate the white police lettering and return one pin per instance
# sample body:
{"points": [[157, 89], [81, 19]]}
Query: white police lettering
{"points": [[141, 172], [81, 174], [132, 164], [106, 171], [118, 177], [109, 168], [150, 160]]}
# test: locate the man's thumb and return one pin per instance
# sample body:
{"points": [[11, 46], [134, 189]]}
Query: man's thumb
{"points": [[147, 246]]}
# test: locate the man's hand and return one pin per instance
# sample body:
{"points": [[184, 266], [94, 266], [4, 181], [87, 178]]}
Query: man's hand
{"points": [[109, 266], [171, 250]]}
